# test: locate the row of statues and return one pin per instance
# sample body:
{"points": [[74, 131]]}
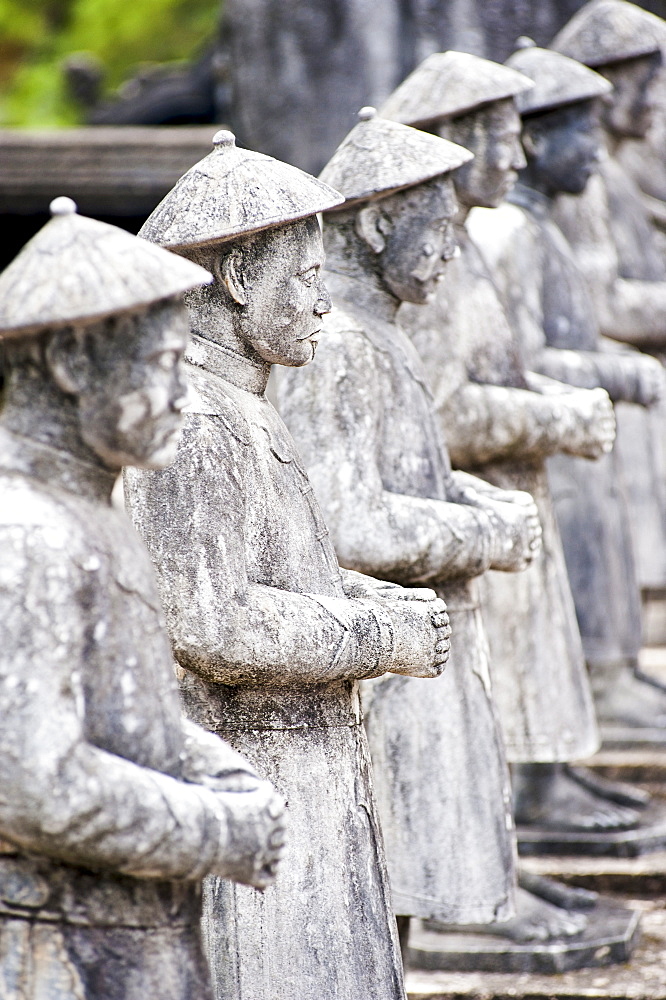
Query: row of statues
{"points": [[425, 568]]}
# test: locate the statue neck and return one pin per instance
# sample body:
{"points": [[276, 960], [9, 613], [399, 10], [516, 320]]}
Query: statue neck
{"points": [[533, 179], [42, 439], [349, 258], [218, 347]]}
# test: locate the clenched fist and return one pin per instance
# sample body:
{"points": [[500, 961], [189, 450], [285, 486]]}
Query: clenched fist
{"points": [[252, 835], [591, 422], [421, 634], [517, 530], [646, 376]]}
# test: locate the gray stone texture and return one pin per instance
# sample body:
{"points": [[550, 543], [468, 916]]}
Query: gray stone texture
{"points": [[437, 751], [300, 70], [501, 426], [616, 246], [364, 420], [553, 318], [272, 636], [113, 807]]}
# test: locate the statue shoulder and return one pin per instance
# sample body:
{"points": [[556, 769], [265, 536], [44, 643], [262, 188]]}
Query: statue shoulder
{"points": [[44, 538], [344, 337], [213, 397]]}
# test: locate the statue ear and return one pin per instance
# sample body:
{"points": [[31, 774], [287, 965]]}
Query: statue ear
{"points": [[530, 143], [372, 227], [231, 278], [67, 360]]}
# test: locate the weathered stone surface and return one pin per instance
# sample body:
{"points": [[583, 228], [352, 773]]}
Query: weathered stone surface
{"points": [[113, 807], [364, 420], [644, 875], [393, 156], [645, 838], [105, 274], [610, 937], [606, 31], [551, 314], [641, 979], [301, 69], [449, 84], [612, 235], [232, 192], [274, 637], [500, 428], [497, 423], [557, 79]]}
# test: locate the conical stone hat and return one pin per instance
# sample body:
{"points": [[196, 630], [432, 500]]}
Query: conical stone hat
{"points": [[447, 84], [379, 157], [558, 80], [607, 31], [233, 192], [78, 270]]}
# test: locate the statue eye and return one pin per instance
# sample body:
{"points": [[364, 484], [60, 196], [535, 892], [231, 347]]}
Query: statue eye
{"points": [[308, 277], [428, 250]]}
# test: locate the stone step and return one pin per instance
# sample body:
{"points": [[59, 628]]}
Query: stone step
{"points": [[643, 978], [643, 876]]}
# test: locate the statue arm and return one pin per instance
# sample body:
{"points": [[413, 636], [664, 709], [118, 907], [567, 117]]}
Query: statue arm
{"points": [[208, 760], [489, 423], [333, 409], [634, 312], [224, 626], [629, 377], [60, 795]]}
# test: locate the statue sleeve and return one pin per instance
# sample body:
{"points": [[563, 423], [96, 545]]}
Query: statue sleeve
{"points": [[225, 626], [333, 408], [489, 423], [61, 796], [616, 372], [634, 312]]}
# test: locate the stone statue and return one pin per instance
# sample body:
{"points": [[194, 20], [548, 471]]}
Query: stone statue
{"points": [[614, 241], [301, 68], [365, 422], [112, 807], [500, 422], [554, 317], [274, 637]]}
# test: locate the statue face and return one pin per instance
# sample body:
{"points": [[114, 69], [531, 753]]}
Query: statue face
{"points": [[285, 297], [563, 146], [419, 238], [493, 135], [631, 106], [131, 398]]}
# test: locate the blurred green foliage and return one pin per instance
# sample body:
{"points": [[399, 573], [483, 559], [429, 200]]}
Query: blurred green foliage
{"points": [[37, 35]]}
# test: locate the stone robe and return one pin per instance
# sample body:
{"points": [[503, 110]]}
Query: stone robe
{"points": [[553, 316], [363, 419], [256, 608], [615, 247], [496, 426], [103, 842]]}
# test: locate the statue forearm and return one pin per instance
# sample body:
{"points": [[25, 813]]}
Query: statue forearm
{"points": [[634, 312], [487, 423], [412, 540], [277, 638], [85, 806]]}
